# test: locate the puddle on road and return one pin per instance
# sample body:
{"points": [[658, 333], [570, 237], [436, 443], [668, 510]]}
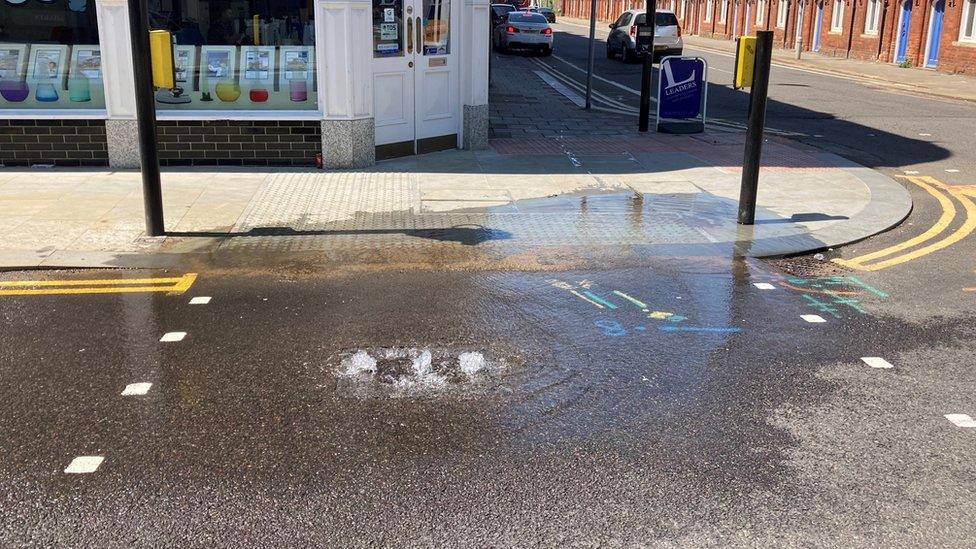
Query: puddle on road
{"points": [[407, 371]]}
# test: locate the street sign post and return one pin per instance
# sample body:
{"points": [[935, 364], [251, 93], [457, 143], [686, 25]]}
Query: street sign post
{"points": [[754, 132], [146, 117], [650, 17], [682, 95]]}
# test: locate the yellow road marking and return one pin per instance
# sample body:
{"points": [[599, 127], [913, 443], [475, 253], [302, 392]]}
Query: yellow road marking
{"points": [[962, 232], [101, 286], [948, 214], [966, 189]]}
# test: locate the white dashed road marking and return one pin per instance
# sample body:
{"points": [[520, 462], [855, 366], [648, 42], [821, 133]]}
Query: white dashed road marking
{"points": [[876, 362], [200, 301], [172, 337], [961, 420], [813, 318], [764, 286], [84, 464], [911, 172], [925, 134], [951, 170], [136, 389]]}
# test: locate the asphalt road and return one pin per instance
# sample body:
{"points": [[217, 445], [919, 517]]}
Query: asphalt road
{"points": [[893, 131], [702, 410]]}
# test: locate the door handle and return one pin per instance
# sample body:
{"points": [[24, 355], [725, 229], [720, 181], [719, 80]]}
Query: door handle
{"points": [[409, 34], [420, 36]]}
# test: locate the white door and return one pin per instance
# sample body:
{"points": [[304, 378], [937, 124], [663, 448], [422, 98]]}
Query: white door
{"points": [[416, 77]]}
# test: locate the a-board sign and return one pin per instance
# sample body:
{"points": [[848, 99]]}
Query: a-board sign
{"points": [[682, 95]]}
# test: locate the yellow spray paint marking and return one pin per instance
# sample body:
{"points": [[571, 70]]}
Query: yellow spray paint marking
{"points": [[177, 285], [948, 215], [660, 315]]}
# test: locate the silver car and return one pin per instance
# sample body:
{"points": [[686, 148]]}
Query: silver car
{"points": [[523, 29], [623, 35]]}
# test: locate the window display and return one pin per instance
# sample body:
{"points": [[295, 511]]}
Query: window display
{"points": [[49, 56], [239, 54]]}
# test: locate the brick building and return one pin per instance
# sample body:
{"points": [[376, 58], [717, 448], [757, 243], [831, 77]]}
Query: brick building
{"points": [[934, 34]]}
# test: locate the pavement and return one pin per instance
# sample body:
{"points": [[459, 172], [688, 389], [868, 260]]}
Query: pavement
{"points": [[554, 176]]}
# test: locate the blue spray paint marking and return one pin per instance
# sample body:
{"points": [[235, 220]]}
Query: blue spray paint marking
{"points": [[640, 328], [611, 327], [599, 300], [700, 329]]}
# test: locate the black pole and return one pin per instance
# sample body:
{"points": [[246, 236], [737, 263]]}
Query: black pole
{"points": [[754, 133], [146, 117], [648, 60], [589, 61]]}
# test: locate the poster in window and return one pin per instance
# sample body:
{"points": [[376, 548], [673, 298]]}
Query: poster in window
{"points": [[257, 64], [296, 64], [13, 60]]}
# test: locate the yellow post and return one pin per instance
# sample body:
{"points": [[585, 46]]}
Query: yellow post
{"points": [[745, 60], [161, 52]]}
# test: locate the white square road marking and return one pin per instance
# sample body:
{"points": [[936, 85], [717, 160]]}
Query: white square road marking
{"points": [[764, 286], [816, 319], [136, 389], [173, 336], [962, 420], [84, 464], [876, 362], [200, 301]]}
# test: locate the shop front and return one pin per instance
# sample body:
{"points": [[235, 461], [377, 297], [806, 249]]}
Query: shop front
{"points": [[257, 82]]}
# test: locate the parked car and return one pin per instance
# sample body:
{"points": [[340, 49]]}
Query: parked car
{"points": [[547, 12], [523, 29], [498, 13], [623, 35]]}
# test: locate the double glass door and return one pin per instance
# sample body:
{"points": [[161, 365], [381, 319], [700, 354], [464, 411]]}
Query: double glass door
{"points": [[416, 78]]}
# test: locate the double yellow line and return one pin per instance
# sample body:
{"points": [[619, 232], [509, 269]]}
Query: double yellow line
{"points": [[943, 194], [173, 285]]}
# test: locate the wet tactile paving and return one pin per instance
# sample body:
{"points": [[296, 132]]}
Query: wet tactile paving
{"points": [[603, 219]]}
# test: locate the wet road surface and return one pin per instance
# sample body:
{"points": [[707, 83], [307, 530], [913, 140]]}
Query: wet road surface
{"points": [[685, 401]]}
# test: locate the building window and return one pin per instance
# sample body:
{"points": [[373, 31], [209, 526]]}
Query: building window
{"points": [[684, 9], [723, 14], [968, 31], [871, 17], [837, 16], [49, 56], [760, 11], [782, 8], [709, 8], [239, 55]]}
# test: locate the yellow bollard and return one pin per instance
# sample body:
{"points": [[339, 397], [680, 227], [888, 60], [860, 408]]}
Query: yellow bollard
{"points": [[161, 53]]}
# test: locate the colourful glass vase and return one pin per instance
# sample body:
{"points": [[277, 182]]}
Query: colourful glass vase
{"points": [[14, 91]]}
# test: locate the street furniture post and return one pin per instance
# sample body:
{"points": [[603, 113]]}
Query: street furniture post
{"points": [[146, 117], [648, 62], [754, 133], [589, 61]]}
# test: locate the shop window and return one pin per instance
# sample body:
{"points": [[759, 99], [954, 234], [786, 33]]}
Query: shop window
{"points": [[49, 56], [782, 9], [968, 31], [837, 16], [871, 17], [239, 54]]}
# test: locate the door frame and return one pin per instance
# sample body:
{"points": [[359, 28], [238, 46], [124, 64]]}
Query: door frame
{"points": [[418, 63], [933, 35], [901, 39]]}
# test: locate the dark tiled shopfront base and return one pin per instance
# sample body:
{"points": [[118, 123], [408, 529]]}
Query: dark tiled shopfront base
{"points": [[58, 142], [181, 143], [239, 143]]}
